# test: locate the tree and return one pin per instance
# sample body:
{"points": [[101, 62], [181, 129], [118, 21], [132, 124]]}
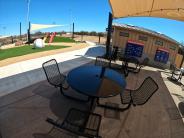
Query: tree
{"points": [[101, 34], [93, 33]]}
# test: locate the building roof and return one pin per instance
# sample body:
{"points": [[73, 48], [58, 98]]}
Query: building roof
{"points": [[145, 30], [171, 9]]}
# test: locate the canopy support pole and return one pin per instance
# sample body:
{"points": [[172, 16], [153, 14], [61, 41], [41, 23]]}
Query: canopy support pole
{"points": [[109, 30], [20, 30], [28, 34]]}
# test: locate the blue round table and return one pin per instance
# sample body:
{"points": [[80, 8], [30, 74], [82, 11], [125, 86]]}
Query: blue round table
{"points": [[96, 81]]}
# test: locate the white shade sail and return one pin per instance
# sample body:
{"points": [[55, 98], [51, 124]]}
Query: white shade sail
{"points": [[35, 27], [171, 9]]}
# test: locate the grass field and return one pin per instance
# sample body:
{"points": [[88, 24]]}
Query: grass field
{"points": [[61, 39], [24, 50]]}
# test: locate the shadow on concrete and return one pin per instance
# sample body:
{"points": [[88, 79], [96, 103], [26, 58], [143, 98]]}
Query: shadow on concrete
{"points": [[181, 108], [25, 79], [41, 135], [45, 90], [60, 105], [54, 133]]}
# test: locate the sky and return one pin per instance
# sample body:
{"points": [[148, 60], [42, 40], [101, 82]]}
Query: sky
{"points": [[88, 15]]}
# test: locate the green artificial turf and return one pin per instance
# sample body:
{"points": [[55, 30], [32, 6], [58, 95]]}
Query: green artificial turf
{"points": [[61, 39], [24, 50]]}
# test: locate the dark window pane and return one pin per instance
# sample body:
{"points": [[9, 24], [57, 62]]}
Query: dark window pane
{"points": [[143, 38], [158, 42], [173, 47], [125, 34]]}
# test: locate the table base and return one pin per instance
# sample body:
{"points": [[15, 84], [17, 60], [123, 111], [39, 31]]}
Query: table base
{"points": [[112, 108]]}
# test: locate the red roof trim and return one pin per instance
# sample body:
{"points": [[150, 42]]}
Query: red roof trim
{"points": [[162, 49], [137, 43]]}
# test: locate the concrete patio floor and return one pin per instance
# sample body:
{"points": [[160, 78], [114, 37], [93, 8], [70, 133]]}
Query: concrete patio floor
{"points": [[23, 113]]}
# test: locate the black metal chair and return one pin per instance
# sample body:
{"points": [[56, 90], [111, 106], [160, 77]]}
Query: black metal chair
{"points": [[125, 71], [105, 60], [176, 73], [127, 60], [114, 55], [136, 65], [142, 64], [79, 122], [56, 78], [141, 95], [102, 61]]}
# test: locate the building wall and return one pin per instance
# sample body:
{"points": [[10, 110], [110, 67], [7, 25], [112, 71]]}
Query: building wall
{"points": [[120, 38]]}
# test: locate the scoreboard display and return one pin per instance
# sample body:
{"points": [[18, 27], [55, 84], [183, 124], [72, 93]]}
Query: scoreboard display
{"points": [[134, 49]]}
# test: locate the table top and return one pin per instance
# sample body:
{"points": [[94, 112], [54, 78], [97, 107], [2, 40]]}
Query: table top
{"points": [[96, 81]]}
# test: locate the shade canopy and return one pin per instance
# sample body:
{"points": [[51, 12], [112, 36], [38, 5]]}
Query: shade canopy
{"points": [[171, 9], [35, 27]]}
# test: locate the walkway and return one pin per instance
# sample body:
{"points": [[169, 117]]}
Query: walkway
{"points": [[25, 73], [23, 112]]}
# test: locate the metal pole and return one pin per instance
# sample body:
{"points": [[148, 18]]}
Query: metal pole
{"points": [[12, 39], [20, 31], [28, 32], [109, 34], [73, 32], [99, 39]]}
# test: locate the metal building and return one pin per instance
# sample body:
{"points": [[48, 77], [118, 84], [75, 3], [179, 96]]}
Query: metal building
{"points": [[141, 42]]}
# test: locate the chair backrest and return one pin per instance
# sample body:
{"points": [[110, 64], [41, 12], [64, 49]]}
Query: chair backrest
{"points": [[145, 61], [133, 60], [141, 95], [52, 71], [125, 71], [101, 61], [172, 67], [114, 53]]}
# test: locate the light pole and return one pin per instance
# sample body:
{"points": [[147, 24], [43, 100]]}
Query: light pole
{"points": [[27, 21], [27, 18]]}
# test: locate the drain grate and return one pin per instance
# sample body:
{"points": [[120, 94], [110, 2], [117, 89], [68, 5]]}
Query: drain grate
{"points": [[109, 113]]}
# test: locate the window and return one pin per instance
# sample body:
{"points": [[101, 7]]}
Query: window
{"points": [[143, 38], [161, 56], [172, 47], [158, 42], [125, 34]]}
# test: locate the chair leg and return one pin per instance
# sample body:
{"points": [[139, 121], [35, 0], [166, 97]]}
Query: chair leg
{"points": [[113, 108], [72, 98], [110, 63], [54, 123]]}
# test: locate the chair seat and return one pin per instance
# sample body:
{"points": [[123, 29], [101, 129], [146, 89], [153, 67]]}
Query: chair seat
{"points": [[126, 98], [176, 75], [82, 123], [140, 95], [58, 80]]}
